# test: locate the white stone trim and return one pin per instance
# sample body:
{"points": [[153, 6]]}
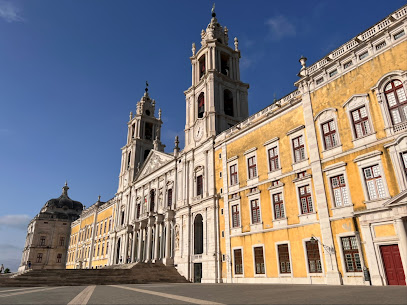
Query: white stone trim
{"points": [[233, 260], [321, 118], [339, 241], [336, 170], [268, 145], [255, 227], [370, 159], [309, 217], [294, 133], [233, 161], [396, 148], [281, 222], [248, 154], [254, 261], [357, 101], [314, 274], [235, 230], [284, 275]]}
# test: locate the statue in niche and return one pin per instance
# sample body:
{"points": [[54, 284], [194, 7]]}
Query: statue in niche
{"points": [[176, 237]]}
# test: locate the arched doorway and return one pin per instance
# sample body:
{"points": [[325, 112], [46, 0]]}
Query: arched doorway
{"points": [[198, 234], [118, 251]]}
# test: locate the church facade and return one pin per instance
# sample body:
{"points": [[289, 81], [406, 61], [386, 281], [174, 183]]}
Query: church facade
{"points": [[311, 189]]}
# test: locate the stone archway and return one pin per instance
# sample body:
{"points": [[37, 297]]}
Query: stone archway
{"points": [[198, 234]]}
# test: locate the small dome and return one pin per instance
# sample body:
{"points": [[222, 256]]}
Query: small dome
{"points": [[62, 202]]}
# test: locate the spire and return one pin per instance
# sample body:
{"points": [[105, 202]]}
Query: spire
{"points": [[65, 189], [214, 31], [213, 10]]}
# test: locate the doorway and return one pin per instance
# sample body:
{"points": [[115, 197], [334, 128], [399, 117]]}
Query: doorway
{"points": [[392, 265], [197, 272]]}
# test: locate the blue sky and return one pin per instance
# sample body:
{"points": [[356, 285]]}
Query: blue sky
{"points": [[71, 71]]}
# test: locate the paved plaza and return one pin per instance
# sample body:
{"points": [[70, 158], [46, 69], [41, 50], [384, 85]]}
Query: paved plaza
{"points": [[205, 294]]}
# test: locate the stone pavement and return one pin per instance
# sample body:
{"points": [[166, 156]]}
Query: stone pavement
{"points": [[205, 294]]}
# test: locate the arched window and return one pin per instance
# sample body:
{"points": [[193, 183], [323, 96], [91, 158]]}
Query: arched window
{"points": [[152, 200], [128, 160], [201, 105], [396, 101], [198, 234], [228, 102]]}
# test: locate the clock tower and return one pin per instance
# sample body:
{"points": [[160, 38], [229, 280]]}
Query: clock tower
{"points": [[144, 133], [217, 99]]}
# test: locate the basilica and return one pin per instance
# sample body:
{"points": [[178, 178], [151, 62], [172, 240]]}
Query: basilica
{"points": [[310, 190]]}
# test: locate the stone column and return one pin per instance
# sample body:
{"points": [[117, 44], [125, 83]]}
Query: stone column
{"points": [[371, 257], [140, 240], [158, 221], [168, 260], [133, 249], [402, 235], [149, 239]]}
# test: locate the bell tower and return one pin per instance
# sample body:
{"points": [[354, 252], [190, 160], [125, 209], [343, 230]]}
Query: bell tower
{"points": [[144, 133], [217, 99]]}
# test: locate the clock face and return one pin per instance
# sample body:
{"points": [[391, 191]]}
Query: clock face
{"points": [[198, 131]]}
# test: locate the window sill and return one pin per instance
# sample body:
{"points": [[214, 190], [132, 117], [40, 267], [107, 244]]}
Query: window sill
{"points": [[235, 231], [308, 218], [353, 274], [345, 210], [300, 164], [234, 187], [260, 275], [364, 140], [285, 275], [257, 227], [376, 203], [280, 223], [252, 181], [332, 151], [275, 173]]}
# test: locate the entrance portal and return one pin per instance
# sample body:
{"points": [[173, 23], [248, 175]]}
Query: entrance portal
{"points": [[198, 234], [392, 265], [197, 272]]}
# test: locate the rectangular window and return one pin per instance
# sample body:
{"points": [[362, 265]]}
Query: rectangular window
{"points": [[169, 198], [104, 228], [404, 160], [299, 150], [273, 159], [42, 241], [306, 199], [351, 254], [284, 258], [360, 122], [255, 209], [314, 260], [278, 206], [398, 35], [199, 185], [381, 45], [363, 55], [39, 257], [339, 191], [329, 134], [347, 64], [333, 73], [235, 216], [374, 182], [62, 241], [319, 80], [138, 211], [251, 162], [59, 257], [107, 248], [233, 174], [238, 261], [259, 260]]}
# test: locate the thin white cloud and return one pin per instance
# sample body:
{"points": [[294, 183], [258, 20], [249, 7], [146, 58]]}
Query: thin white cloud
{"points": [[19, 221], [280, 27], [10, 12]]}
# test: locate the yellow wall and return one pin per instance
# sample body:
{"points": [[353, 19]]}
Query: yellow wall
{"points": [[385, 230]]}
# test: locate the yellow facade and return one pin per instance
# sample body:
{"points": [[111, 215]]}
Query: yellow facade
{"points": [[339, 222], [89, 240]]}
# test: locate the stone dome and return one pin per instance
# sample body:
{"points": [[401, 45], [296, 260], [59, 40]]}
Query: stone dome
{"points": [[63, 203]]}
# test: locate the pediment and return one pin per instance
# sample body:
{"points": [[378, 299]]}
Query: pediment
{"points": [[401, 198], [155, 160]]}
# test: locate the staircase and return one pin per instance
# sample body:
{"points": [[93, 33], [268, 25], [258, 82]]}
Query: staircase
{"points": [[139, 273]]}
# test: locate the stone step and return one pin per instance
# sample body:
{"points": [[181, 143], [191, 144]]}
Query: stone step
{"points": [[131, 274]]}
